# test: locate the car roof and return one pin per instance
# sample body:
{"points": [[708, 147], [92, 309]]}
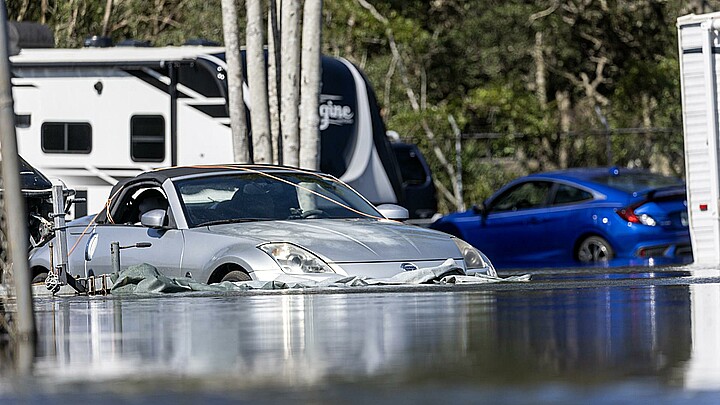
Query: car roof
{"points": [[601, 179], [587, 173], [592, 174], [160, 175]]}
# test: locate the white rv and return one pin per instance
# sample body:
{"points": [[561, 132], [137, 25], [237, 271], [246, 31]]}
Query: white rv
{"points": [[94, 116], [699, 46]]}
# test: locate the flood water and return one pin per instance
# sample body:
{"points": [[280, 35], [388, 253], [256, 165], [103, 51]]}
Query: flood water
{"points": [[564, 338]]}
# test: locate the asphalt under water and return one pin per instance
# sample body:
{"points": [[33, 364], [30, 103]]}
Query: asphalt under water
{"points": [[568, 336]]}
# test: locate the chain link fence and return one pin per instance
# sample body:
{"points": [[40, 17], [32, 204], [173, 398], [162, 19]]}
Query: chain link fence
{"points": [[490, 160]]}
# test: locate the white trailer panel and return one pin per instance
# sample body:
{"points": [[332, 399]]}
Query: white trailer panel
{"points": [[699, 71]]}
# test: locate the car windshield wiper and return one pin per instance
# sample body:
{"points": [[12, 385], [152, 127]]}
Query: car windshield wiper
{"points": [[232, 221]]}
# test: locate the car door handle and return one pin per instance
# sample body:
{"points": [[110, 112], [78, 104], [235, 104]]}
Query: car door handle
{"points": [[535, 220]]}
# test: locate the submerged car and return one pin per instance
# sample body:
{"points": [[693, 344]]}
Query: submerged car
{"points": [[251, 222], [597, 216]]}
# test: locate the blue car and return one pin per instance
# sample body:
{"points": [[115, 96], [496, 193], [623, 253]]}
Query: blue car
{"points": [[574, 217]]}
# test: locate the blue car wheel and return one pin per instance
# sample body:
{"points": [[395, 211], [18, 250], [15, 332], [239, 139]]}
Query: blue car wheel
{"points": [[594, 249]]}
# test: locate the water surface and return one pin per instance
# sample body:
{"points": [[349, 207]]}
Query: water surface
{"points": [[623, 337]]}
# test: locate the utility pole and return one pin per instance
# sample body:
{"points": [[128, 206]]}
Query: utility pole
{"points": [[14, 206]]}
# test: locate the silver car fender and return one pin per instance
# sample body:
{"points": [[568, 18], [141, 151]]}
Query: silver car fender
{"points": [[257, 263]]}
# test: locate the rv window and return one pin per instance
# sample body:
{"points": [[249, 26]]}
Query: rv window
{"points": [[201, 78], [147, 138], [66, 137]]}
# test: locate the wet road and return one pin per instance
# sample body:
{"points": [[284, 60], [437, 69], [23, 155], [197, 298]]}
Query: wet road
{"points": [[569, 336]]}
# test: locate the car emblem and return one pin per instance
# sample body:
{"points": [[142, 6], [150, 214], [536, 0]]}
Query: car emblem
{"points": [[408, 266]]}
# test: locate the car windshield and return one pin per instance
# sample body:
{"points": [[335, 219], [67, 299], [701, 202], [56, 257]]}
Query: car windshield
{"points": [[632, 182], [268, 196]]}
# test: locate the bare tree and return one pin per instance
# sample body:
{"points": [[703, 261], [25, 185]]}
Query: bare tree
{"points": [[257, 83], [236, 105], [454, 198], [289, 68], [274, 79], [310, 85], [106, 17]]}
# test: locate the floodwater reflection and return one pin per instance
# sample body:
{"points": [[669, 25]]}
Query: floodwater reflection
{"points": [[477, 338]]}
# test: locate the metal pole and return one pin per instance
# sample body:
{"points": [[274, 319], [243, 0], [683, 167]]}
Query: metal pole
{"points": [[14, 205], [115, 256], [172, 72], [61, 249]]}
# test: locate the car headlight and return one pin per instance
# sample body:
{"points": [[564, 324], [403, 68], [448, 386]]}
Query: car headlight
{"points": [[474, 258], [293, 259]]}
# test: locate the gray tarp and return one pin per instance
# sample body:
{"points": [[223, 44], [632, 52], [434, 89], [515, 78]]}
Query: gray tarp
{"points": [[145, 278]]}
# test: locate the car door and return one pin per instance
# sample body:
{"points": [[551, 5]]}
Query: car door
{"points": [[166, 245], [565, 218], [165, 252], [512, 229]]}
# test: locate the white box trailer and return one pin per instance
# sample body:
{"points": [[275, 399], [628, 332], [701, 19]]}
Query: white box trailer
{"points": [[699, 46], [95, 116]]}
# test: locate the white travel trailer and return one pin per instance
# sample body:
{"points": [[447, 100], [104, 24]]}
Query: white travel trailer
{"points": [[95, 116], [699, 46]]}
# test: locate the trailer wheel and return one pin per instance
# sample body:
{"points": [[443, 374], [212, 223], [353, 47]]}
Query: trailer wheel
{"points": [[594, 249], [236, 275]]}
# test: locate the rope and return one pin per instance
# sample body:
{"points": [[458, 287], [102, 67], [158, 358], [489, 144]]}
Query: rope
{"points": [[244, 169]]}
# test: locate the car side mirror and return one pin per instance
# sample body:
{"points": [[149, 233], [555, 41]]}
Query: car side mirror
{"points": [[479, 209], [154, 218], [392, 211]]}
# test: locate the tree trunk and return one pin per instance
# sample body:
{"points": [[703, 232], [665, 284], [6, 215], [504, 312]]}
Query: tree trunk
{"points": [[310, 86], [73, 20], [540, 75], [23, 10], [236, 105], [257, 82], [274, 80], [289, 81], [106, 17], [563, 105], [43, 11]]}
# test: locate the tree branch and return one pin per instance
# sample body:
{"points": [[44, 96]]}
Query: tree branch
{"points": [[544, 13]]}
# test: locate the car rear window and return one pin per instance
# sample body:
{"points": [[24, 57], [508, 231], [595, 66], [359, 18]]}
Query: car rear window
{"points": [[631, 182]]}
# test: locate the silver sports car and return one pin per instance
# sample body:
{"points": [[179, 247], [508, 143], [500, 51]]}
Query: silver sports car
{"points": [[243, 222]]}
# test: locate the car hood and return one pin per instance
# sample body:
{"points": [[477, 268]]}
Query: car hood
{"points": [[349, 240]]}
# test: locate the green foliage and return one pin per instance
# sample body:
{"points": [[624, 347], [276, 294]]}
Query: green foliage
{"points": [[534, 74]]}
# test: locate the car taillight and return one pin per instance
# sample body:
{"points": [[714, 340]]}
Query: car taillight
{"points": [[628, 214]]}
